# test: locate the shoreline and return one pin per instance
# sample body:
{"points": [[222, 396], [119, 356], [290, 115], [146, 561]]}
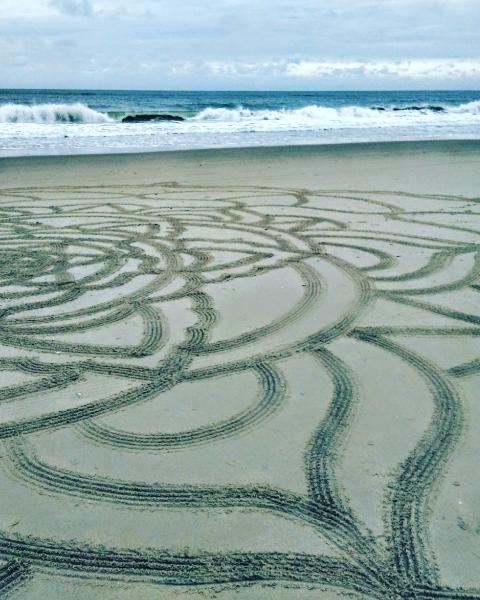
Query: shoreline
{"points": [[326, 147], [413, 166]]}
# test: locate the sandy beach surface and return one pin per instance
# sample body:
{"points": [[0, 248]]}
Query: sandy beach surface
{"points": [[242, 374]]}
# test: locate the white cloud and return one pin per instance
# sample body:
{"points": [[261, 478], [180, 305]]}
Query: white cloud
{"points": [[422, 69], [410, 69]]}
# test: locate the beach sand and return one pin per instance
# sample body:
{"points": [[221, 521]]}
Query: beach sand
{"points": [[241, 374]]}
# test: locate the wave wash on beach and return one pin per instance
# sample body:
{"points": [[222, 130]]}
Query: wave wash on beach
{"points": [[135, 121]]}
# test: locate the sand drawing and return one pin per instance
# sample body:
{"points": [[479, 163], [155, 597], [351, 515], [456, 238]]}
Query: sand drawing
{"points": [[182, 364]]}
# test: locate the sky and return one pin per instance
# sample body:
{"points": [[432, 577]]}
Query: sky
{"points": [[240, 44]]}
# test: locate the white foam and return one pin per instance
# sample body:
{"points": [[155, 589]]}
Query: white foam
{"points": [[51, 113], [472, 108], [319, 117]]}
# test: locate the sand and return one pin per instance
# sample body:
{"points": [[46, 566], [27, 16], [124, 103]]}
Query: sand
{"points": [[243, 374]]}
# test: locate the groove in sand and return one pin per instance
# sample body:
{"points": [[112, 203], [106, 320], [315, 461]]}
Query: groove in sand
{"points": [[64, 274]]}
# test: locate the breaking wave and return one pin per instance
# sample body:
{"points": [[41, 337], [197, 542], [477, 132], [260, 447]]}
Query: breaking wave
{"points": [[51, 113], [470, 107], [346, 116], [313, 116]]}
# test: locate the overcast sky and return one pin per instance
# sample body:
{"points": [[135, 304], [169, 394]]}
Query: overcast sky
{"points": [[243, 44]]}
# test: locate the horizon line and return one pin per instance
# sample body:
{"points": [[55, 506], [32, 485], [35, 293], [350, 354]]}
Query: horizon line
{"points": [[223, 90]]}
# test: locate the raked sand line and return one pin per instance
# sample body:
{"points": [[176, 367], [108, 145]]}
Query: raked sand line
{"points": [[112, 297]]}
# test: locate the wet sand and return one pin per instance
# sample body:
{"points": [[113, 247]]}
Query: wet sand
{"points": [[241, 374]]}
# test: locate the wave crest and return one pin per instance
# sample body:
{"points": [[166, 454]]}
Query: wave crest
{"points": [[51, 113], [347, 115], [472, 108]]}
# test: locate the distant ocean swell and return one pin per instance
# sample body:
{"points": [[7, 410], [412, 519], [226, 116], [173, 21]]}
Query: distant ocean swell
{"points": [[311, 116]]}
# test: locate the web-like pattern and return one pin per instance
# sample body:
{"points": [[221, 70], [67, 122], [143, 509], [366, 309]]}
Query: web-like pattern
{"points": [[239, 386]]}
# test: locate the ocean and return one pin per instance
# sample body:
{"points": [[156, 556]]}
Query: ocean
{"points": [[40, 122]]}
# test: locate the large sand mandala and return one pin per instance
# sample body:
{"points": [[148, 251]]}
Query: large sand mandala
{"points": [[238, 393]]}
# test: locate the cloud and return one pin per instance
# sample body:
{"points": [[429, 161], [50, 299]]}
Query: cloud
{"points": [[182, 68], [422, 69], [75, 8], [409, 69], [249, 44]]}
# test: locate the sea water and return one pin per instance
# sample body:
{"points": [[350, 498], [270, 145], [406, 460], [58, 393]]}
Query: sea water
{"points": [[36, 122]]}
